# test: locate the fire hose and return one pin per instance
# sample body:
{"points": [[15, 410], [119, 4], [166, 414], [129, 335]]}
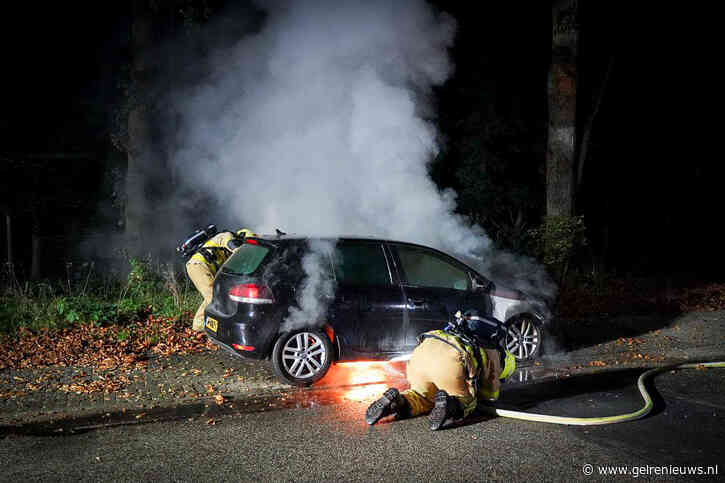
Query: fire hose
{"points": [[619, 418]]}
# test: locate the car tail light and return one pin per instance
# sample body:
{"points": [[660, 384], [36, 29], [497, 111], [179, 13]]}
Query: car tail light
{"points": [[243, 347], [251, 242], [251, 293]]}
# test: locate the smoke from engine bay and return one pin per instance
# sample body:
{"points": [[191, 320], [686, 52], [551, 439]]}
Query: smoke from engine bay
{"points": [[321, 123]]}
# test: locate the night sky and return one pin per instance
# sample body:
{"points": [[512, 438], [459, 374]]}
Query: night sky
{"points": [[645, 176]]}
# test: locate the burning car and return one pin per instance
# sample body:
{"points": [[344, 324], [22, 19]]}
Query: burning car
{"points": [[385, 294]]}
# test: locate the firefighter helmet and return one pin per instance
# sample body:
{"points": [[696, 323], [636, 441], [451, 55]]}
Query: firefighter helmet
{"points": [[244, 232], [485, 331]]}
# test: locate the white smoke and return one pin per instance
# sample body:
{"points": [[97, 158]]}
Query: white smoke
{"points": [[321, 124], [316, 290]]}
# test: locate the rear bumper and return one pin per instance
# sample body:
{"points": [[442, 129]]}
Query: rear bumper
{"points": [[248, 326], [231, 350]]}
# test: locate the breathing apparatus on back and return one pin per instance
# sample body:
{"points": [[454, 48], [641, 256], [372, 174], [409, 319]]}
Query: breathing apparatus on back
{"points": [[477, 330], [482, 332], [194, 242]]}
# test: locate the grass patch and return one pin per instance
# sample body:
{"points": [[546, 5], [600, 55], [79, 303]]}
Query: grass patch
{"points": [[151, 289]]}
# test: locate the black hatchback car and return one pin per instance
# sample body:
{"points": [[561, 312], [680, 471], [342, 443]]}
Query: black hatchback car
{"points": [[387, 293]]}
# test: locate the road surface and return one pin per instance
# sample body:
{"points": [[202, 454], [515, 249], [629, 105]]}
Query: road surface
{"points": [[320, 435]]}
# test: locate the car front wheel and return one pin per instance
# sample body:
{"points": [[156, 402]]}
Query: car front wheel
{"points": [[302, 357], [523, 338]]}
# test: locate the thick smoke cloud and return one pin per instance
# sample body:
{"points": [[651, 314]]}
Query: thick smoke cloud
{"points": [[321, 123]]}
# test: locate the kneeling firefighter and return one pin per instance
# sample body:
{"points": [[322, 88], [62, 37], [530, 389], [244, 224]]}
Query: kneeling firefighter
{"points": [[450, 371], [205, 259]]}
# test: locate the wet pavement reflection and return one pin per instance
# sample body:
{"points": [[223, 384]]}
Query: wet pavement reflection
{"points": [[537, 374]]}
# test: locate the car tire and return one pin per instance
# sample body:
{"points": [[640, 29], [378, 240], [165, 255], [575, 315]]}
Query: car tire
{"points": [[524, 337], [302, 357]]}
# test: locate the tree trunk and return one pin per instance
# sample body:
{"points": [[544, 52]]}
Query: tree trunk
{"points": [[139, 128], [35, 242], [9, 234], [35, 260], [136, 209], [560, 154]]}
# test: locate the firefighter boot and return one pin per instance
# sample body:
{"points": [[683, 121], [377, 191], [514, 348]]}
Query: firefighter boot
{"points": [[391, 403], [447, 408]]}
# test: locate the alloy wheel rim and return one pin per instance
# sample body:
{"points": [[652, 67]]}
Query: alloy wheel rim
{"points": [[303, 355], [522, 339]]}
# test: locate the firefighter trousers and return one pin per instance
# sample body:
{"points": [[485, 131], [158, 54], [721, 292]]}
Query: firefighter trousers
{"points": [[433, 366], [203, 279]]}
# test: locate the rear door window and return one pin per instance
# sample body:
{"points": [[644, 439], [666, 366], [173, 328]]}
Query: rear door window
{"points": [[361, 264], [246, 259], [426, 268]]}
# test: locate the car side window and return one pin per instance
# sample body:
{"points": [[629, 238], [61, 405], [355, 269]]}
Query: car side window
{"points": [[425, 268], [361, 264]]}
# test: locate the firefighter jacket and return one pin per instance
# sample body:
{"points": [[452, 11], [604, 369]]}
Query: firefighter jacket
{"points": [[216, 250], [482, 366], [470, 360]]}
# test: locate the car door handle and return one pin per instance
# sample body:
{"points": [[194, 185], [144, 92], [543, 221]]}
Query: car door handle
{"points": [[415, 302]]}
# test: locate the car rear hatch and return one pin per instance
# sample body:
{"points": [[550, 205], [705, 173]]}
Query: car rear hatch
{"points": [[240, 280], [251, 292]]}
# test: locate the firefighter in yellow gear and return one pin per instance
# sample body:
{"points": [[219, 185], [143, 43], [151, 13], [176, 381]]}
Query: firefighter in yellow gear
{"points": [[449, 372], [203, 266]]}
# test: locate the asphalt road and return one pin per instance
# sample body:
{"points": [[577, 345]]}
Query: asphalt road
{"points": [[320, 435]]}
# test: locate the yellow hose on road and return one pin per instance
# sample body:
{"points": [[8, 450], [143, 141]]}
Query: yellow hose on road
{"points": [[619, 418]]}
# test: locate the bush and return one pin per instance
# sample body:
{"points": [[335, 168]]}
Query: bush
{"points": [[148, 289], [558, 238], [556, 241]]}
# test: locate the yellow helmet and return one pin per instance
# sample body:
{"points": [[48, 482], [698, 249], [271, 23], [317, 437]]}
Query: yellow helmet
{"points": [[243, 233]]}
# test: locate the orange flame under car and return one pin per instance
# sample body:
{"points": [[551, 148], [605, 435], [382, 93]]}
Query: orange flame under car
{"points": [[369, 378]]}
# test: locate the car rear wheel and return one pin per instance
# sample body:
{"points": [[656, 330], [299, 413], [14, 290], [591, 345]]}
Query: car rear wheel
{"points": [[523, 338], [302, 357]]}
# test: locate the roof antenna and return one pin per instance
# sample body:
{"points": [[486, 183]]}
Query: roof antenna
{"points": [[280, 232]]}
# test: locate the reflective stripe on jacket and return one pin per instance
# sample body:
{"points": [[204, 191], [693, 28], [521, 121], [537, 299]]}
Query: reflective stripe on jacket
{"points": [[470, 359]]}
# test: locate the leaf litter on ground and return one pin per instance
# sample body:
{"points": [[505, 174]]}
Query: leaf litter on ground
{"points": [[109, 351]]}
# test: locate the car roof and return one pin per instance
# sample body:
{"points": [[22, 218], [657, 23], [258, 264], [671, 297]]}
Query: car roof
{"points": [[301, 237], [294, 237]]}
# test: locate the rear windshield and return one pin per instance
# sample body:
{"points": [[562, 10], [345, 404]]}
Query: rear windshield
{"points": [[246, 259]]}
